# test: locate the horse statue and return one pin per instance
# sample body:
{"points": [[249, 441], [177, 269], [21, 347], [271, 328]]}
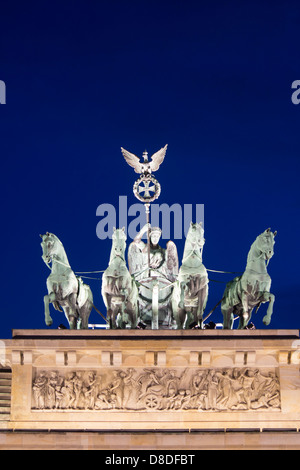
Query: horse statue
{"points": [[66, 291], [251, 289], [119, 290], [190, 291]]}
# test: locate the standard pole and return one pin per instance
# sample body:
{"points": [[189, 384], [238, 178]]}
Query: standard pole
{"points": [[155, 295], [147, 207]]}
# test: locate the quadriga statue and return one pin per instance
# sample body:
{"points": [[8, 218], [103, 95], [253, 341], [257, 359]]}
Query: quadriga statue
{"points": [[66, 291], [251, 289]]}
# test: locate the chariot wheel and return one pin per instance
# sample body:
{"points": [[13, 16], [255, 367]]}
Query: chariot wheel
{"points": [[152, 401]]}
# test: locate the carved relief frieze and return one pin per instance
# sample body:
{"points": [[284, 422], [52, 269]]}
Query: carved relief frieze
{"points": [[157, 389]]}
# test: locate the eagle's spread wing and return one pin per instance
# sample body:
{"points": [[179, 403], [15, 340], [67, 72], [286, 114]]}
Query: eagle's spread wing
{"points": [[132, 160], [157, 158], [172, 261]]}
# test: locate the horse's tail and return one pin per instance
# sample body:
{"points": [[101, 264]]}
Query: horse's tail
{"points": [[213, 309], [98, 311]]}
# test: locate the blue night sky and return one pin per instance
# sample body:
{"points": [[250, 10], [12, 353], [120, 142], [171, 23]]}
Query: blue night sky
{"points": [[210, 79]]}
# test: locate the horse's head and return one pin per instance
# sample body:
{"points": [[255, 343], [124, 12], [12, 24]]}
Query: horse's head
{"points": [[51, 245], [195, 235], [119, 242], [265, 243]]}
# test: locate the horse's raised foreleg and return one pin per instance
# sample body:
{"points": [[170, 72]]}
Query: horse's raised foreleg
{"points": [[268, 297], [48, 299]]}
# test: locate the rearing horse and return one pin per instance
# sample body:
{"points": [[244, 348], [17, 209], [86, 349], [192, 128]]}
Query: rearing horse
{"points": [[190, 292], [64, 288], [119, 290], [251, 289]]}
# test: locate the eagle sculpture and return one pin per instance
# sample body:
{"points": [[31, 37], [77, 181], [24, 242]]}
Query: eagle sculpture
{"points": [[146, 166]]}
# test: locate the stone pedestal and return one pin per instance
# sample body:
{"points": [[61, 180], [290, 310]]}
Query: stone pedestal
{"points": [[155, 389]]}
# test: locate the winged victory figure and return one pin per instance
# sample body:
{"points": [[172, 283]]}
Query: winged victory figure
{"points": [[146, 166]]}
